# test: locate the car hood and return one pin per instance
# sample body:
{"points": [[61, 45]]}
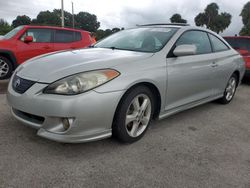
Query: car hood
{"points": [[51, 67]]}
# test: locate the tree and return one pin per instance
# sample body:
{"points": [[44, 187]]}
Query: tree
{"points": [[245, 14], [212, 19], [100, 34], [87, 21], [4, 27], [47, 18], [21, 20], [67, 17], [176, 18], [116, 29]]}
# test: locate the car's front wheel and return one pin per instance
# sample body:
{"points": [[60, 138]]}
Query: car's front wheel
{"points": [[230, 90], [6, 68], [133, 115]]}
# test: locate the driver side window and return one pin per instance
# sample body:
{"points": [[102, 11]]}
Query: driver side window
{"points": [[39, 35], [198, 38]]}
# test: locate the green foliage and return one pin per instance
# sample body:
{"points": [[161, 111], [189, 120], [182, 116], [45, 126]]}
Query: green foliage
{"points": [[47, 18], [212, 19], [176, 18], [21, 20], [83, 20], [4, 27], [245, 14], [87, 21], [100, 34], [116, 29]]}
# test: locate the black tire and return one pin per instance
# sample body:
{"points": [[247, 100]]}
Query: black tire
{"points": [[119, 128], [5, 65], [225, 99]]}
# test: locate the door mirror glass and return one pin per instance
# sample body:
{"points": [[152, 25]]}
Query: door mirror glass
{"points": [[185, 50], [28, 39]]}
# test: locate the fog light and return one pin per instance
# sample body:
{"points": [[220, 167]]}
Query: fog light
{"points": [[66, 123]]}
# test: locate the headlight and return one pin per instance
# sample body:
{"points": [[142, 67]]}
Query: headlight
{"points": [[81, 82]]}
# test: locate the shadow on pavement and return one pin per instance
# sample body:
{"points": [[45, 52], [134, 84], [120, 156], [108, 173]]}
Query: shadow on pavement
{"points": [[3, 86], [246, 81]]}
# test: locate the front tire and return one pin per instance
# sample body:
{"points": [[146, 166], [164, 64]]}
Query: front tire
{"points": [[6, 68], [133, 115], [230, 90]]}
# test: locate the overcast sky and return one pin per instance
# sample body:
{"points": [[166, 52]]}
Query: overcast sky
{"points": [[126, 13]]}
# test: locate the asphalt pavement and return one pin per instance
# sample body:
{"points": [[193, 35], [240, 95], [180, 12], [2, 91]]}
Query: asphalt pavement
{"points": [[207, 146]]}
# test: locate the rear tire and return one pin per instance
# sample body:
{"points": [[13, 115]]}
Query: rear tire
{"points": [[6, 68], [230, 90], [133, 115]]}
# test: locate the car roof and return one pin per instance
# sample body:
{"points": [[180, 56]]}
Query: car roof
{"points": [[164, 25], [54, 27], [183, 26], [239, 37]]}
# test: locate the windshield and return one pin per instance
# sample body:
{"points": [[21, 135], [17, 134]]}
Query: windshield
{"points": [[138, 39], [12, 33]]}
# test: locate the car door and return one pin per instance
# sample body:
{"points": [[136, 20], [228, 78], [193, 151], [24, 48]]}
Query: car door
{"points": [[190, 77], [41, 44], [65, 39], [223, 66]]}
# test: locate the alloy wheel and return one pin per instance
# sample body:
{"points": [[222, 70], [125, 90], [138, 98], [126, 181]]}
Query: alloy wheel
{"points": [[231, 88], [138, 115], [4, 68]]}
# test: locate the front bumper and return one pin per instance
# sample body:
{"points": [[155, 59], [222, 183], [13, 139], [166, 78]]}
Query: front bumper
{"points": [[90, 114]]}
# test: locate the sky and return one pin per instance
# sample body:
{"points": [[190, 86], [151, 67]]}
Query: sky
{"points": [[127, 13]]}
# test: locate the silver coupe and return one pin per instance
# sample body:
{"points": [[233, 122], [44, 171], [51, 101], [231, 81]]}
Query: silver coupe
{"points": [[119, 85]]}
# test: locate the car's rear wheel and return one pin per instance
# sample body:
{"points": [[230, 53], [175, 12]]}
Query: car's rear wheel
{"points": [[230, 90], [133, 115], [6, 68]]}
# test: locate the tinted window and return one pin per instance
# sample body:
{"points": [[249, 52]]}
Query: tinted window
{"points": [[139, 39], [39, 35], [62, 36], [198, 38], [239, 43], [217, 44]]}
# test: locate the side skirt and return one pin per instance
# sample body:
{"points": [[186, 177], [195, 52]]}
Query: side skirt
{"points": [[188, 106]]}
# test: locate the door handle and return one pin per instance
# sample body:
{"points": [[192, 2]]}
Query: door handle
{"points": [[214, 64]]}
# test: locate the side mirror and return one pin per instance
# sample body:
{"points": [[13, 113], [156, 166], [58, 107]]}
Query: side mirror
{"points": [[28, 39], [185, 49]]}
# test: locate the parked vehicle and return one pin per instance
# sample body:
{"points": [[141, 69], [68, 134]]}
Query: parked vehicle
{"points": [[25, 42], [123, 82], [242, 45]]}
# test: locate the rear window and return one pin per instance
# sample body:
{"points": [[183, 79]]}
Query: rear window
{"points": [[62, 36], [239, 43], [217, 44]]}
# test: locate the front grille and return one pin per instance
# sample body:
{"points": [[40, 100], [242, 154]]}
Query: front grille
{"points": [[29, 117], [21, 85]]}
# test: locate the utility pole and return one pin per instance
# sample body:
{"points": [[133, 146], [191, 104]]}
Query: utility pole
{"points": [[62, 15], [73, 16]]}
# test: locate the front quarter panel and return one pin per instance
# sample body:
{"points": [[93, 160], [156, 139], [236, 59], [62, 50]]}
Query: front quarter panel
{"points": [[151, 70]]}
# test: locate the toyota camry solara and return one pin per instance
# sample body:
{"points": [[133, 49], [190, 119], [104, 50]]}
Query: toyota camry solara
{"points": [[123, 82]]}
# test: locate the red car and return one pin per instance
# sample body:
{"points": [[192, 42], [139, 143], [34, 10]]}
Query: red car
{"points": [[242, 45], [25, 42]]}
